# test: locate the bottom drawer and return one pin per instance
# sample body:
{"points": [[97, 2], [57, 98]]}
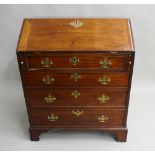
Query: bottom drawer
{"points": [[76, 117]]}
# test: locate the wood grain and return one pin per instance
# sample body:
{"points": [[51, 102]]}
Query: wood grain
{"points": [[58, 41], [35, 79], [85, 61], [89, 118], [87, 98], [58, 35]]}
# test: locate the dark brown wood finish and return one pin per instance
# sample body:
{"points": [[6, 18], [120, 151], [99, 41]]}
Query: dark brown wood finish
{"points": [[79, 60], [35, 79], [84, 61], [87, 117], [84, 98]]}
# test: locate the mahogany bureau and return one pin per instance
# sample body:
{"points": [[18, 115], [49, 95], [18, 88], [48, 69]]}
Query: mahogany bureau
{"points": [[76, 74]]}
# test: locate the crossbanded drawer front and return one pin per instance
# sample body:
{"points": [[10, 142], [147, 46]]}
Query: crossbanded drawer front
{"points": [[76, 117], [49, 79], [99, 61], [75, 97]]}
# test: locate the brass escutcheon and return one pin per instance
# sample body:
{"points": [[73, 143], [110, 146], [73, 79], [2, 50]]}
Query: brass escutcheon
{"points": [[49, 98], [103, 99], [74, 60], [105, 63], [104, 80], [75, 93], [52, 117], [75, 76], [76, 23], [46, 62], [102, 119], [77, 112], [48, 80]]}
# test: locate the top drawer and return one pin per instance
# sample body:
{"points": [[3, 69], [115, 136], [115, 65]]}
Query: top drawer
{"points": [[65, 61]]}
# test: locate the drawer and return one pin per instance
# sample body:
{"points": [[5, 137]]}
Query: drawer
{"points": [[50, 79], [76, 98], [76, 117], [98, 61]]}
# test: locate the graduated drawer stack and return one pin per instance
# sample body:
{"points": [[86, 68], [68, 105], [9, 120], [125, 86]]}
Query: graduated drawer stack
{"points": [[73, 88]]}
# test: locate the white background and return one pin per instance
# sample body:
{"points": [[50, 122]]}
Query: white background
{"points": [[13, 117]]}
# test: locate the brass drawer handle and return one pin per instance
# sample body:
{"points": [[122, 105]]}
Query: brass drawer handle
{"points": [[103, 118], [104, 80], [77, 113], [105, 63], [75, 93], [76, 23], [48, 80], [75, 76], [52, 117], [49, 98], [103, 99], [74, 60], [46, 62]]}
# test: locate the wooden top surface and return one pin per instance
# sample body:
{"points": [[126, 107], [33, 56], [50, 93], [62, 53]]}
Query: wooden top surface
{"points": [[59, 34]]}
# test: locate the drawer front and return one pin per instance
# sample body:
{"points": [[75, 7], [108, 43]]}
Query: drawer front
{"points": [[98, 61], [49, 79], [76, 117], [76, 98]]}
